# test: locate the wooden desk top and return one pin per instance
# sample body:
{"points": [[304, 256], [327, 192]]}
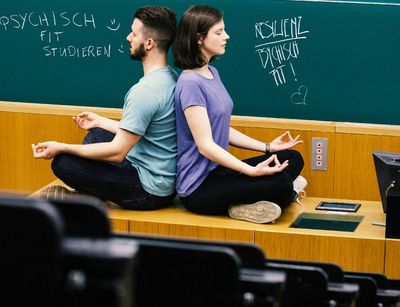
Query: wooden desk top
{"points": [[370, 210], [177, 215]]}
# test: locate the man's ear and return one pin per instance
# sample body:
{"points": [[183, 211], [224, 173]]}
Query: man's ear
{"points": [[150, 44]]}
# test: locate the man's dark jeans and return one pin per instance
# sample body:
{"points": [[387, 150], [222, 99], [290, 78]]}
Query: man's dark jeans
{"points": [[117, 182]]}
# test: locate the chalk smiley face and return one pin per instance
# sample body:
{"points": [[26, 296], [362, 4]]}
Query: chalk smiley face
{"points": [[121, 49], [114, 25]]}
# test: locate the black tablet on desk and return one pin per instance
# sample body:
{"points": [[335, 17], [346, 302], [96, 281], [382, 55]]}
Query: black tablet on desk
{"points": [[338, 206]]}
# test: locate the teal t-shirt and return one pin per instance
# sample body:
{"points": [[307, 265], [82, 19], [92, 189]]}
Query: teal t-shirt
{"points": [[149, 112]]}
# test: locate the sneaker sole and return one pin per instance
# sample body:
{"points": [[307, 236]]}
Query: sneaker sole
{"points": [[55, 192], [260, 212]]}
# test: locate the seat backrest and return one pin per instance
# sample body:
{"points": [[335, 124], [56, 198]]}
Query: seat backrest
{"points": [[388, 297], [183, 274], [305, 285], [30, 252], [380, 279], [393, 284], [262, 287], [84, 216], [100, 271], [251, 256], [333, 271], [343, 293], [367, 290], [385, 294], [257, 284]]}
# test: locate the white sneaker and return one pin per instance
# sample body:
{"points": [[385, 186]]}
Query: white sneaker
{"points": [[260, 212], [299, 185]]}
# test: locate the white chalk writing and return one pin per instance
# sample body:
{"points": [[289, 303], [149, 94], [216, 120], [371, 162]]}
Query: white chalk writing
{"points": [[78, 52], [47, 19], [53, 28], [279, 46]]}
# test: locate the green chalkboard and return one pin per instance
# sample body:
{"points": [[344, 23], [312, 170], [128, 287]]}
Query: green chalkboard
{"points": [[319, 60]]}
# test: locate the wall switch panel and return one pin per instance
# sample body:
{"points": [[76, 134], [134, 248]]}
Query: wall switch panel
{"points": [[319, 154]]}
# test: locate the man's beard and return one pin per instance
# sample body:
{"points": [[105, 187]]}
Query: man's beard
{"points": [[139, 53]]}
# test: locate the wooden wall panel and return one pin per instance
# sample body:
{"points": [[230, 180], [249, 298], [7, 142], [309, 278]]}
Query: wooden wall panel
{"points": [[192, 231], [350, 173], [20, 171], [22, 124], [119, 225], [349, 253], [175, 222], [355, 172], [320, 183], [392, 259], [7, 153]]}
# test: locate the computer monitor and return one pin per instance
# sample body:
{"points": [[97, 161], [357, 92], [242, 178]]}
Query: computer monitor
{"points": [[387, 168]]}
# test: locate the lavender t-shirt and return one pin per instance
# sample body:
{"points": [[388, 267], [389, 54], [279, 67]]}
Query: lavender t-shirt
{"points": [[193, 89]]}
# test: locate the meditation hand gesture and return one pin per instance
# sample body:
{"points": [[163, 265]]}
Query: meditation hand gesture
{"points": [[87, 120], [264, 167], [46, 150], [280, 144]]}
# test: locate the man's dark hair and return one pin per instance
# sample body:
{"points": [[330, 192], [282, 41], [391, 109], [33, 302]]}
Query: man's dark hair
{"points": [[195, 22], [159, 23]]}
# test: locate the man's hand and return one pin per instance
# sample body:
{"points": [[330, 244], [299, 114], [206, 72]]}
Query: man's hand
{"points": [[87, 120], [46, 150]]}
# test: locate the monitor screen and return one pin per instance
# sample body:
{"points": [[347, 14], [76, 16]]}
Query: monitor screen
{"points": [[387, 168]]}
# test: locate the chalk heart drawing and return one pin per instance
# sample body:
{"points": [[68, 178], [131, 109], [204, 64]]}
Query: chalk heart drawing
{"points": [[299, 97]]}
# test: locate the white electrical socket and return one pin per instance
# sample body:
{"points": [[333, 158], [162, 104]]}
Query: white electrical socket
{"points": [[319, 154]]}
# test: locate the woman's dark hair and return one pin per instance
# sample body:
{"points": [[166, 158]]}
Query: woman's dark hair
{"points": [[161, 21], [197, 20]]}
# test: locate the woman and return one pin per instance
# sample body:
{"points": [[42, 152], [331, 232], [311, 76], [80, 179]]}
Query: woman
{"points": [[209, 179]]}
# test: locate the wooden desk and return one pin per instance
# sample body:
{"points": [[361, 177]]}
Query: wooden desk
{"points": [[365, 249], [361, 250], [177, 222]]}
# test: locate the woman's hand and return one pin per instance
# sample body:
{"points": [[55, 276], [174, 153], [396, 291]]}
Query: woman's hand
{"points": [[264, 167], [87, 120], [281, 144]]}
